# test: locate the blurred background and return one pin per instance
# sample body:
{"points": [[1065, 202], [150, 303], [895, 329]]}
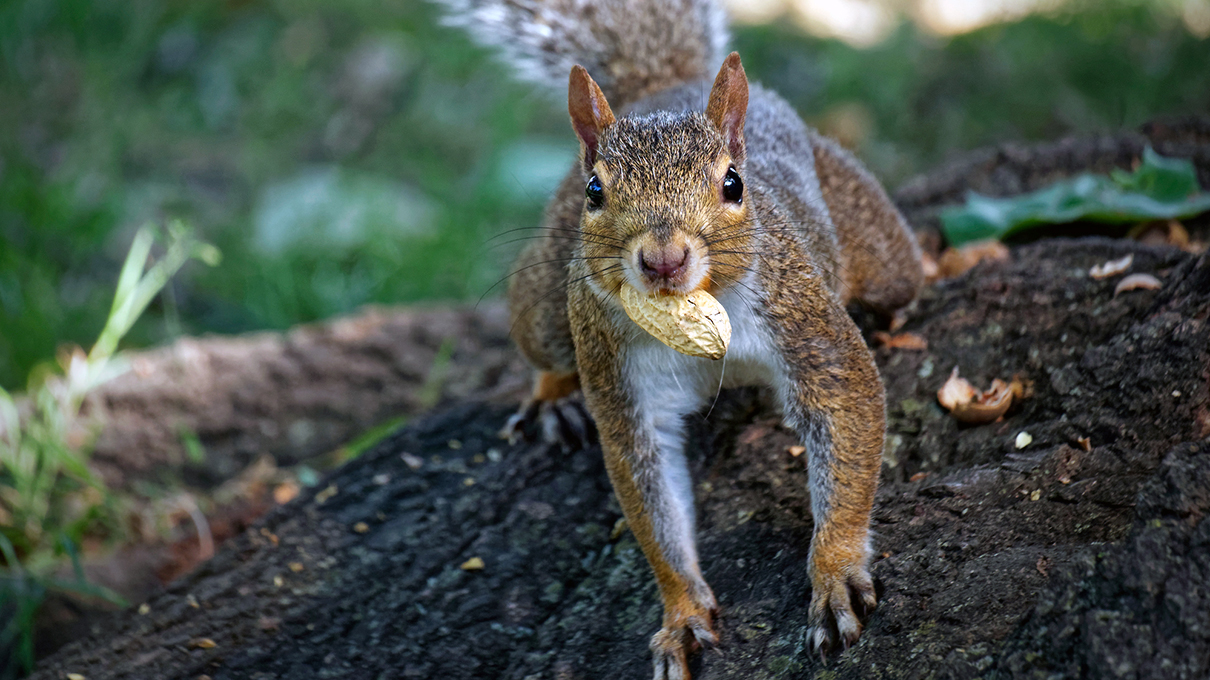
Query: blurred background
{"points": [[345, 153]]}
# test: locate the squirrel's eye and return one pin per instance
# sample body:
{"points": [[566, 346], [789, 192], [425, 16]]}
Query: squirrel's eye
{"points": [[595, 194], [733, 186]]}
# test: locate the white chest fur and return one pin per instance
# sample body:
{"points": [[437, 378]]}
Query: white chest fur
{"points": [[662, 380]]}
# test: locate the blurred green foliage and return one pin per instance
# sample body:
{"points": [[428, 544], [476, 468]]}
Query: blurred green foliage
{"points": [[1091, 65], [355, 152], [338, 154]]}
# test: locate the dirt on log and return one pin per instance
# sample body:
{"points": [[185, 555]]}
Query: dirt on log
{"points": [[295, 395], [1070, 539]]}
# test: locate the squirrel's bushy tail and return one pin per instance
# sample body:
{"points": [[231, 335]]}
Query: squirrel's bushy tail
{"points": [[632, 48]]}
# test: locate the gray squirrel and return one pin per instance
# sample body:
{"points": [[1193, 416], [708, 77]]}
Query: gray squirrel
{"points": [[730, 193]]}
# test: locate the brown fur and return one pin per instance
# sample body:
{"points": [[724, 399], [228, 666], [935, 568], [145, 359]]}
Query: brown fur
{"points": [[537, 291], [552, 386], [813, 231], [871, 231]]}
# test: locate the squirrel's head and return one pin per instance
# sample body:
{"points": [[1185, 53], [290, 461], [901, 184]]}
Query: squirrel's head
{"points": [[665, 207]]}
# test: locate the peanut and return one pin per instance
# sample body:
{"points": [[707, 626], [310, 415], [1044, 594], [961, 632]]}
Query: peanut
{"points": [[694, 324]]}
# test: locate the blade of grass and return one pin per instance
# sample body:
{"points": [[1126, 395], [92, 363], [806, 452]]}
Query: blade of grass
{"points": [[132, 266]]}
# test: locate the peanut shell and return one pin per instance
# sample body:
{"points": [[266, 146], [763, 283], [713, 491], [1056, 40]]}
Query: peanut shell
{"points": [[694, 324]]}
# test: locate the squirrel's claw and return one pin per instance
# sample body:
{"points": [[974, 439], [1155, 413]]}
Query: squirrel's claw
{"points": [[668, 653], [671, 646], [514, 427], [702, 631], [565, 422], [833, 620]]}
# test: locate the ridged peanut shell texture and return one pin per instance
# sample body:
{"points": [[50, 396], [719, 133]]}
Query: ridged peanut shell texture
{"points": [[694, 324]]}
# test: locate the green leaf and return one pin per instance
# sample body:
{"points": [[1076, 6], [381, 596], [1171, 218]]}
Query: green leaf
{"points": [[132, 267], [194, 450], [1160, 188], [1164, 179]]}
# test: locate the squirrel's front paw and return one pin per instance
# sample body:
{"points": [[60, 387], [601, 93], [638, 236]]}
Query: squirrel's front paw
{"points": [[671, 646], [834, 598], [564, 421]]}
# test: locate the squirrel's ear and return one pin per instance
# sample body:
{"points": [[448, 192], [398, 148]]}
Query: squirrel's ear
{"points": [[729, 104], [590, 113]]}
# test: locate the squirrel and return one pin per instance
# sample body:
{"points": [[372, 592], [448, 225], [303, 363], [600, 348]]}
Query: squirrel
{"points": [[730, 193]]}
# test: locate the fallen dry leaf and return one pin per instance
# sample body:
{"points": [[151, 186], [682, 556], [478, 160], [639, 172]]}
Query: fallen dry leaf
{"points": [[897, 320], [296, 567], [900, 341], [929, 265], [202, 643], [618, 527], [1178, 236], [1085, 443], [955, 391], [473, 564], [1111, 268], [971, 406], [987, 405], [361, 527], [285, 492], [328, 492], [1138, 282], [1022, 388], [956, 261], [1162, 232]]}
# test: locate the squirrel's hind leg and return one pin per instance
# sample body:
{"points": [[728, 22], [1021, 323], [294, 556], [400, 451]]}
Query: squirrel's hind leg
{"points": [[556, 411], [537, 301], [880, 259]]}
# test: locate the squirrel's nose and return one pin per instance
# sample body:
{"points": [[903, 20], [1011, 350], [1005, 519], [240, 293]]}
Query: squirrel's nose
{"points": [[665, 263]]}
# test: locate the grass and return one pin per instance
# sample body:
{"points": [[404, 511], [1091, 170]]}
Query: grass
{"points": [[50, 500]]}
